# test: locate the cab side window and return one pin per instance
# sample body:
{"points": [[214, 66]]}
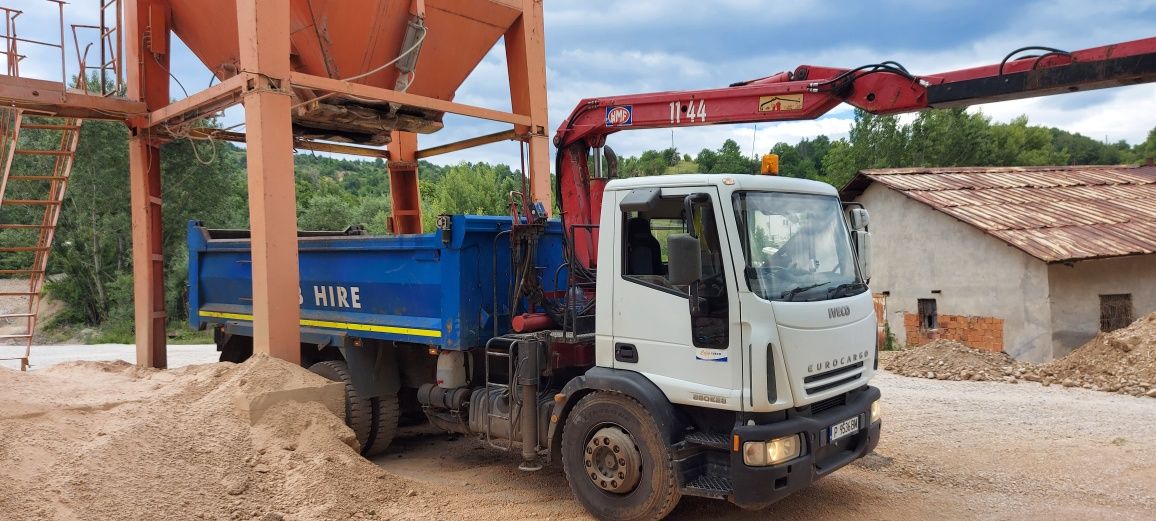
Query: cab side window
{"points": [[644, 244], [645, 261]]}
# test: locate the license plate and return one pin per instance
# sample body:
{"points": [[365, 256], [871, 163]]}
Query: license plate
{"points": [[843, 429]]}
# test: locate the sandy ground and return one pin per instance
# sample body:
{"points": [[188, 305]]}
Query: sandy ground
{"points": [[48, 355], [106, 441]]}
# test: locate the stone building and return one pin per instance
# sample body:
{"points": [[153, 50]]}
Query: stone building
{"points": [[1033, 261]]}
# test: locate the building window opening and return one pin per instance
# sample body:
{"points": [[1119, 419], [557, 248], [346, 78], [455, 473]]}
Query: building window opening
{"points": [[928, 316], [1115, 312]]}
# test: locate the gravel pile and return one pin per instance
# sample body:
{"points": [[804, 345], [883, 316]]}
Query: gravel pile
{"points": [[951, 360], [1123, 361]]}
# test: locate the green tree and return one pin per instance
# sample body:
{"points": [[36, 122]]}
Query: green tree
{"points": [[92, 259], [841, 163], [730, 160], [1018, 144], [706, 159], [374, 213], [950, 137], [326, 212], [1147, 149], [803, 160], [473, 188]]}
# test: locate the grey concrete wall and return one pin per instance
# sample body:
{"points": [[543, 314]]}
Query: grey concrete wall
{"points": [[917, 249], [1076, 290]]}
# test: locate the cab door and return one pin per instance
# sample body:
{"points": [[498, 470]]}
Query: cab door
{"points": [[695, 361]]}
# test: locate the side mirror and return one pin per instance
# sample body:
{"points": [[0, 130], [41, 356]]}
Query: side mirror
{"points": [[863, 253], [859, 219], [684, 259]]}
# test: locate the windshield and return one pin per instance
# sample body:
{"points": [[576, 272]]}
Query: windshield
{"points": [[796, 246]]}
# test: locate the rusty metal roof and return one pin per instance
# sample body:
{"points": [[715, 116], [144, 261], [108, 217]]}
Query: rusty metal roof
{"points": [[1053, 213]]}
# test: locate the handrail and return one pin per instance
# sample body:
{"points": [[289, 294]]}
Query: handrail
{"points": [[108, 40]]}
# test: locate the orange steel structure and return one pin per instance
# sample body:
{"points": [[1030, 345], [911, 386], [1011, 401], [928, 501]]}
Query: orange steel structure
{"points": [[333, 75]]}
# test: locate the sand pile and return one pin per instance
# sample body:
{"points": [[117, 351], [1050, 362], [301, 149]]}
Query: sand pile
{"points": [[951, 360], [1122, 361], [110, 441]]}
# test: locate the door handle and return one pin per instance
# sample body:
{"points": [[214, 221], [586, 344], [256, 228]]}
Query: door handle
{"points": [[625, 353]]}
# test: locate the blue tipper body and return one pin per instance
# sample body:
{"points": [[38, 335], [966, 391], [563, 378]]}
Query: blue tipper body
{"points": [[436, 288]]}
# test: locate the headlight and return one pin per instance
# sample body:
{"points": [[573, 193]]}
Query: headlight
{"points": [[778, 450], [876, 413]]}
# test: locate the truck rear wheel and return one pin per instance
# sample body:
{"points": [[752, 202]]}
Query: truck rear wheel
{"points": [[616, 461], [387, 417], [373, 420]]}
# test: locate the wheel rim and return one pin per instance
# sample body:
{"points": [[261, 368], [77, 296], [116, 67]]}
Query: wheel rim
{"points": [[612, 460]]}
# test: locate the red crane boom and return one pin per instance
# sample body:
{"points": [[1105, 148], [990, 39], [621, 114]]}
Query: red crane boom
{"points": [[808, 92]]}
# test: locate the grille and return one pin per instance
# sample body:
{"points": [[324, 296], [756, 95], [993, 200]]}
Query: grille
{"points": [[833, 372], [830, 403], [832, 385]]}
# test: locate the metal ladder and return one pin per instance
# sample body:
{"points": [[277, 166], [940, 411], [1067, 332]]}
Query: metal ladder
{"points": [[499, 348], [39, 182]]}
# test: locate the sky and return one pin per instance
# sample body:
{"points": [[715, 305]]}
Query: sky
{"points": [[611, 47]]}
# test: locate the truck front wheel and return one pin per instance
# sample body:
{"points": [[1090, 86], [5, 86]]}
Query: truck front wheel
{"points": [[373, 420], [616, 461]]}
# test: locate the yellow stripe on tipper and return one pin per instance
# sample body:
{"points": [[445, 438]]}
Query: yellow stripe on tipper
{"points": [[337, 325], [230, 316]]}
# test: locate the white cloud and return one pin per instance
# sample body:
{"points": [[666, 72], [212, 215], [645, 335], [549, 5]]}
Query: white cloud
{"points": [[602, 48]]}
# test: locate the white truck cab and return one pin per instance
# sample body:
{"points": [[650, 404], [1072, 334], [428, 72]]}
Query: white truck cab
{"points": [[787, 319], [743, 295]]}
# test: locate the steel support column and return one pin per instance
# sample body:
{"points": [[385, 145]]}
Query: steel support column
{"points": [[526, 61], [403, 186], [147, 82], [263, 30]]}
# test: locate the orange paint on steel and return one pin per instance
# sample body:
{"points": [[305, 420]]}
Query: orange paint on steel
{"points": [[340, 38], [148, 82], [403, 186], [264, 27], [526, 62]]}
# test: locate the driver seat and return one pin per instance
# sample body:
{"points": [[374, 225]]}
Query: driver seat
{"points": [[643, 252]]}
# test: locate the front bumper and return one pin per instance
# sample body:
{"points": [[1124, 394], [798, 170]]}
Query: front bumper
{"points": [[758, 487]]}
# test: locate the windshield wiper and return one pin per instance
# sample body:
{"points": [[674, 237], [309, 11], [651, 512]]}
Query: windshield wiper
{"points": [[843, 290], [789, 294]]}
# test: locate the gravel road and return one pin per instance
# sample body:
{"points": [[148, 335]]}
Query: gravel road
{"points": [[950, 450]]}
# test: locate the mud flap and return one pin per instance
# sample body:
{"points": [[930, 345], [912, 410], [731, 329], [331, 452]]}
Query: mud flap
{"points": [[373, 370]]}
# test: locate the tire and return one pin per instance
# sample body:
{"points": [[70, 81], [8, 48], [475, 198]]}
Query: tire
{"points": [[236, 349], [648, 495], [373, 420], [388, 413]]}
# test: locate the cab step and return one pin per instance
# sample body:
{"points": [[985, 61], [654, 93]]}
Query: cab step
{"points": [[710, 440], [708, 485]]}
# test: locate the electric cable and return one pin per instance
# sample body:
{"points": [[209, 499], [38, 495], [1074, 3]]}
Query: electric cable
{"points": [[405, 53]]}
